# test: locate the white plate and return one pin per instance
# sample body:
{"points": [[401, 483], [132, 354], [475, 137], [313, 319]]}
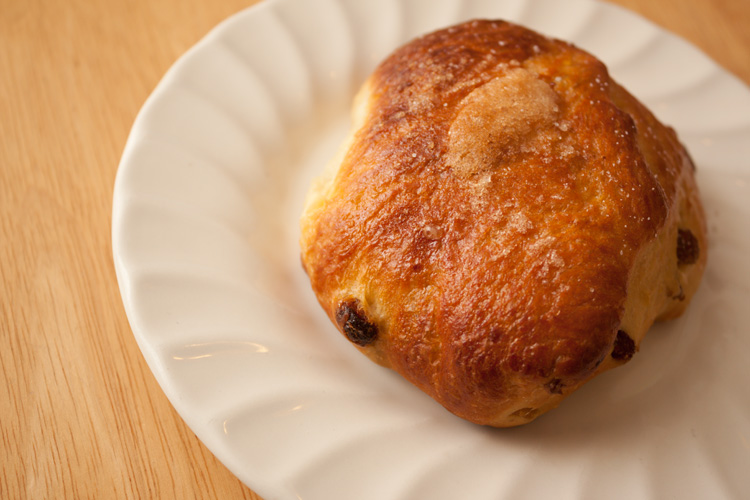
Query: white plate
{"points": [[205, 244]]}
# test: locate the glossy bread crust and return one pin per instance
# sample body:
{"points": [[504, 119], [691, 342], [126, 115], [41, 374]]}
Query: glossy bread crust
{"points": [[503, 223]]}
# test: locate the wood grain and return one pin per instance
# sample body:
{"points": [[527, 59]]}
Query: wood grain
{"points": [[81, 416]]}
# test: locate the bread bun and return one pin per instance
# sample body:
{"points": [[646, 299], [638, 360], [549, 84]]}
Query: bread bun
{"points": [[503, 223]]}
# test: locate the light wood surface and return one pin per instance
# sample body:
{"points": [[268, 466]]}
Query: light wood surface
{"points": [[81, 416]]}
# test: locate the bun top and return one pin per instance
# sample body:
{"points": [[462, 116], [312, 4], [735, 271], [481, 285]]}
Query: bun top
{"points": [[487, 211]]}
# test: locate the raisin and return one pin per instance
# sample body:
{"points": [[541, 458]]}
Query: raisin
{"points": [[624, 347], [554, 386], [688, 250], [353, 321]]}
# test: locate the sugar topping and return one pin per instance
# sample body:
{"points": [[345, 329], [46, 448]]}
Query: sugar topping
{"points": [[496, 117]]}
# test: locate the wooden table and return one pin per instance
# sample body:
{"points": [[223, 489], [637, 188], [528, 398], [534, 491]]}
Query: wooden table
{"points": [[80, 413]]}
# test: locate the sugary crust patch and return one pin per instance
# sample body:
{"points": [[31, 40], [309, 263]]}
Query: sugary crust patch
{"points": [[497, 119], [500, 212]]}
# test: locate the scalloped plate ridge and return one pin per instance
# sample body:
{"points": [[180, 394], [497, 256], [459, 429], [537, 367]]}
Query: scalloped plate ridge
{"points": [[205, 231]]}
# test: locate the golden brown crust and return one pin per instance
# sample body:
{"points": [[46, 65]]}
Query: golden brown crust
{"points": [[502, 210]]}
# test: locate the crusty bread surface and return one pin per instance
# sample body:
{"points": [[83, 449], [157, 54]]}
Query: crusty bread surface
{"points": [[503, 223]]}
